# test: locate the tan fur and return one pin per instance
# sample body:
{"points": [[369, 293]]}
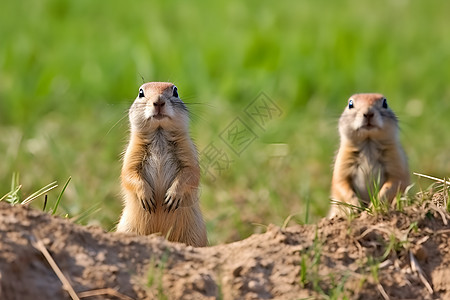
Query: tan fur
{"points": [[161, 173], [369, 151]]}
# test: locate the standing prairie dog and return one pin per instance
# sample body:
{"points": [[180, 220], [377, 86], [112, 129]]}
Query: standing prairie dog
{"points": [[370, 152], [161, 173]]}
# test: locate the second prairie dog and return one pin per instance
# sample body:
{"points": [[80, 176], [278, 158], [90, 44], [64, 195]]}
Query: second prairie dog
{"points": [[161, 172], [369, 152]]}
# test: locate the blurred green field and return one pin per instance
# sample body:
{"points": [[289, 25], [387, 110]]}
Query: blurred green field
{"points": [[69, 70]]}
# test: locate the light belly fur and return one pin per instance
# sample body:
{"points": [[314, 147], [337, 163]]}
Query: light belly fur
{"points": [[368, 176], [160, 167]]}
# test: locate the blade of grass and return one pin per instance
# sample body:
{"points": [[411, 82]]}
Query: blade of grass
{"points": [[432, 178], [40, 192], [308, 201], [13, 196], [359, 208], [45, 202], [95, 208], [11, 193], [286, 221], [60, 196]]}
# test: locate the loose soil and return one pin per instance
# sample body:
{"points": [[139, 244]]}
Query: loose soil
{"points": [[401, 255]]}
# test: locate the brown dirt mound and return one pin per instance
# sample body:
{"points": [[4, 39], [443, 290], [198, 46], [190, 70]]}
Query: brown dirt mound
{"points": [[398, 256]]}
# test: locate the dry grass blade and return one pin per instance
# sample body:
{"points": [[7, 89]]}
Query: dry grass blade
{"points": [[443, 231], [286, 221], [416, 268], [6, 195], [432, 178], [442, 214], [382, 292], [100, 292], [39, 245]]}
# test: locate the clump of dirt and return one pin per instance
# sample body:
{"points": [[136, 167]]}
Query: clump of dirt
{"points": [[401, 255]]}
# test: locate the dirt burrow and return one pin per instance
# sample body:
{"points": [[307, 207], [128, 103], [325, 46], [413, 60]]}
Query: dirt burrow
{"points": [[365, 258]]}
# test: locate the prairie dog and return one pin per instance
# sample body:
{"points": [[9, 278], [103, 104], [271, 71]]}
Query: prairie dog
{"points": [[369, 152], [161, 173]]}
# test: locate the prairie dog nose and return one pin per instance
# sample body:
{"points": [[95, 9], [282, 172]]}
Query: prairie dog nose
{"points": [[368, 115], [159, 103]]}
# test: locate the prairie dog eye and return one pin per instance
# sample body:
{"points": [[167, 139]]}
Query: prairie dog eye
{"points": [[385, 105], [350, 104], [175, 91], [141, 93]]}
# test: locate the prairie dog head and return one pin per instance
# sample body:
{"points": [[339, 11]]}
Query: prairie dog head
{"points": [[158, 106], [368, 116]]}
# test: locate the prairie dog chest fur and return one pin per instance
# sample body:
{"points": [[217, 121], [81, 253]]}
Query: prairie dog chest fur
{"points": [[161, 163], [368, 170]]}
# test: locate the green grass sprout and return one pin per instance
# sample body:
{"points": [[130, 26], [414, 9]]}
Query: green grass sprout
{"points": [[58, 200]]}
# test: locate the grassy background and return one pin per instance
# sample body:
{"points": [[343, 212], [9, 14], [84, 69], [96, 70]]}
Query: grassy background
{"points": [[69, 70]]}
